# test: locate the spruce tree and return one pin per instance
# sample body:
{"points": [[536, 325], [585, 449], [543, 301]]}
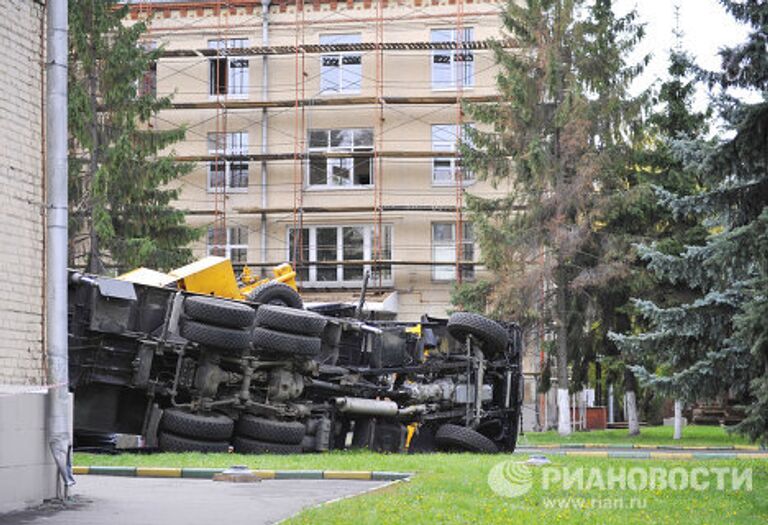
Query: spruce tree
{"points": [[120, 205], [555, 138], [633, 215], [717, 343]]}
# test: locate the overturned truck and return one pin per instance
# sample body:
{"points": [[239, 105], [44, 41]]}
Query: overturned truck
{"points": [[191, 372]]}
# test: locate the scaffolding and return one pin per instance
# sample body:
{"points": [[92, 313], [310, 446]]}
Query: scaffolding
{"points": [[373, 15]]}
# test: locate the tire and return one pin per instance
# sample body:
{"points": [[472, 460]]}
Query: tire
{"points": [[491, 333], [212, 426], [276, 293], [290, 320], [173, 443], [245, 445], [261, 429], [283, 343], [215, 336], [455, 437], [219, 312]]}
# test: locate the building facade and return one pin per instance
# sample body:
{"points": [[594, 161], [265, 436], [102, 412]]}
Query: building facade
{"points": [[27, 474], [325, 134]]}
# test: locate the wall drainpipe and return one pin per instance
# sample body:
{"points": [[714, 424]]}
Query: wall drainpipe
{"points": [[264, 130], [56, 236]]}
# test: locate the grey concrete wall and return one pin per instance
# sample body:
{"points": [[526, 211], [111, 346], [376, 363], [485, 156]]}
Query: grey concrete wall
{"points": [[27, 472]]}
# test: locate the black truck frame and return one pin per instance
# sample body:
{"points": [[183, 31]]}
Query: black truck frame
{"points": [[193, 372]]}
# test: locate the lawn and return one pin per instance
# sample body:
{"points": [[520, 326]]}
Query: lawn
{"points": [[453, 488], [695, 436]]}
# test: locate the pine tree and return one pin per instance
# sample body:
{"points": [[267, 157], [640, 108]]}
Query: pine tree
{"points": [[555, 138], [717, 343], [119, 200], [633, 214]]}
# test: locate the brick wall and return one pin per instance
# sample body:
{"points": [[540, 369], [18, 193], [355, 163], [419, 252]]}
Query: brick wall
{"points": [[21, 193]]}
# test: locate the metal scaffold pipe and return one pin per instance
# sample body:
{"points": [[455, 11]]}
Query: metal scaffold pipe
{"points": [[56, 239], [264, 125]]}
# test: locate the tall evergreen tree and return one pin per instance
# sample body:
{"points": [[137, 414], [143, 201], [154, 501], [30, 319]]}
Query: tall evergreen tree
{"points": [[633, 215], [119, 199], [556, 136], [717, 343]]}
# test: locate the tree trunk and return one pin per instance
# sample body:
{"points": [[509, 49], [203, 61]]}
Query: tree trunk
{"points": [[678, 419], [630, 402], [563, 402], [611, 417], [93, 261]]}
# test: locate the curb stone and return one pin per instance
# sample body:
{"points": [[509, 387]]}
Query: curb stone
{"points": [[208, 473]]}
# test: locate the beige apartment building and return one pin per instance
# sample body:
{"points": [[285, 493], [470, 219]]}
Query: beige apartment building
{"points": [[324, 135]]}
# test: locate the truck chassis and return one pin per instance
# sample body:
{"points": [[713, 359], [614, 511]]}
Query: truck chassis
{"points": [[193, 372]]}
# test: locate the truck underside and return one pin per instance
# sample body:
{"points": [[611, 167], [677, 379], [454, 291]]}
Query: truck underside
{"points": [[195, 372]]}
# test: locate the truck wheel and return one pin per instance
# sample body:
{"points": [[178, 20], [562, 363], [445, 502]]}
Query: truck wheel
{"points": [[259, 428], [219, 312], [276, 293], [198, 426], [457, 438], [290, 320], [173, 443], [251, 446], [283, 343], [491, 333], [215, 336]]}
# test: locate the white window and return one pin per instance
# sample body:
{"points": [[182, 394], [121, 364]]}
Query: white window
{"points": [[231, 171], [332, 244], [352, 163], [452, 67], [444, 250], [340, 72], [228, 75], [231, 243], [445, 169]]}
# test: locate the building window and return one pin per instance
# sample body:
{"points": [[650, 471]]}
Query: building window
{"points": [[444, 250], [231, 243], [452, 67], [147, 84], [340, 171], [228, 75], [148, 81], [340, 72], [445, 169], [333, 244], [231, 171]]}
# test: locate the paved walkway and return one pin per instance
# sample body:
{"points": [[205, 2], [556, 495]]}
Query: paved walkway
{"points": [[106, 500]]}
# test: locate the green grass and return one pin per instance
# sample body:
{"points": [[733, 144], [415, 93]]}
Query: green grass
{"points": [[692, 436], [453, 489]]}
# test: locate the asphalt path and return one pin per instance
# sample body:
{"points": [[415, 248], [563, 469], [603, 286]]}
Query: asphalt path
{"points": [[105, 500]]}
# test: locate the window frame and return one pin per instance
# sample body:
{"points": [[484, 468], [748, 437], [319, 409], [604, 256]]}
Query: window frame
{"points": [[468, 71], [226, 151], [243, 91], [468, 177], [228, 247], [330, 161], [343, 38], [467, 273], [369, 230]]}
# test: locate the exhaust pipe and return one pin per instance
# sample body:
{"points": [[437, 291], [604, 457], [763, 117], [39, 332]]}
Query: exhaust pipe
{"points": [[366, 407]]}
